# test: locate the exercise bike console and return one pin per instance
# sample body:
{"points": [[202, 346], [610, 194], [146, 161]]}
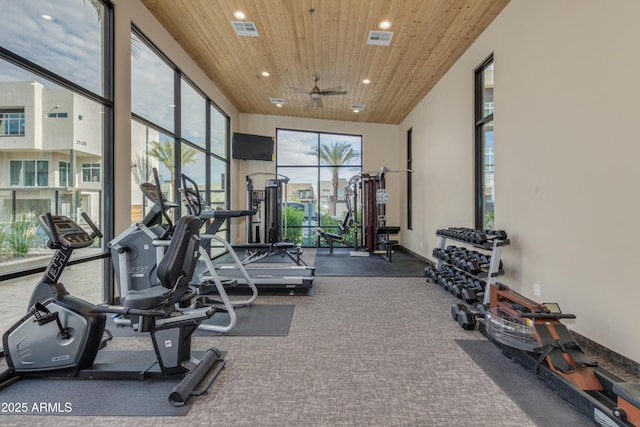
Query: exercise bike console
{"points": [[63, 232]]}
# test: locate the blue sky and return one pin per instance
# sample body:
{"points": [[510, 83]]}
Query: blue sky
{"points": [[69, 44]]}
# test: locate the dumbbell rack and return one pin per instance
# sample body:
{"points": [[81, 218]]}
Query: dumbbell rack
{"points": [[494, 245]]}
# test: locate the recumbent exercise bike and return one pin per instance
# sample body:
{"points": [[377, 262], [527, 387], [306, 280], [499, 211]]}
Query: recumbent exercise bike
{"points": [[61, 336]]}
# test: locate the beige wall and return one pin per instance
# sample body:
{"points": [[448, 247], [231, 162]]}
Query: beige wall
{"points": [[566, 87]]}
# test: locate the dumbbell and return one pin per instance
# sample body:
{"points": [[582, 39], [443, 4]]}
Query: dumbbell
{"points": [[496, 234], [469, 295], [457, 308], [456, 287], [466, 319], [430, 273]]}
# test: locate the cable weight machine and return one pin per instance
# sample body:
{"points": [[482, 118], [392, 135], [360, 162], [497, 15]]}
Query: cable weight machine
{"points": [[376, 232], [274, 200]]}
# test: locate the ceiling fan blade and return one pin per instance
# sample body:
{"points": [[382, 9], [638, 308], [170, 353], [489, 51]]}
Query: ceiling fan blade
{"points": [[333, 92], [332, 89], [297, 89]]}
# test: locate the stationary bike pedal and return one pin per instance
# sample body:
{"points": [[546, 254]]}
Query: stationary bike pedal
{"points": [[205, 301]]}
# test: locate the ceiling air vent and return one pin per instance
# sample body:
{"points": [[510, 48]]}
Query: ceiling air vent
{"points": [[245, 28], [357, 107], [276, 100], [380, 38]]}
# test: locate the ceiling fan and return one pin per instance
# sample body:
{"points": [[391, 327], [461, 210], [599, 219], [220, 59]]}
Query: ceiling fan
{"points": [[317, 94]]}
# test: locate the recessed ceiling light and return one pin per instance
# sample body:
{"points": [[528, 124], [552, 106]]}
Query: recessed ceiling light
{"points": [[265, 74], [46, 17], [356, 111], [278, 105], [239, 15], [384, 25], [366, 81]]}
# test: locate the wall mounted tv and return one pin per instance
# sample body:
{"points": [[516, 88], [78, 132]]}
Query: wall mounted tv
{"points": [[252, 147]]}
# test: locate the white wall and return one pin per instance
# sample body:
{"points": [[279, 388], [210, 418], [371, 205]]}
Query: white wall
{"points": [[566, 87]]}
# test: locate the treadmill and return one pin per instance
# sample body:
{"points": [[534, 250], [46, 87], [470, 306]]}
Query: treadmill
{"points": [[268, 276]]}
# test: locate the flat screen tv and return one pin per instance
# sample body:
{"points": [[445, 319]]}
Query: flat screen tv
{"points": [[252, 147]]}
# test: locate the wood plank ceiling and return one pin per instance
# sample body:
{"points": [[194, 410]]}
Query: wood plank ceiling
{"points": [[299, 39]]}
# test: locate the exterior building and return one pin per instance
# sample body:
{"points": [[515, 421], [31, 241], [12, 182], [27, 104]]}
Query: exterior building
{"points": [[50, 151]]}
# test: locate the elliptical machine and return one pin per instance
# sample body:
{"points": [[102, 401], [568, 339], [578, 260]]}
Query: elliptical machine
{"points": [[138, 250], [61, 336]]}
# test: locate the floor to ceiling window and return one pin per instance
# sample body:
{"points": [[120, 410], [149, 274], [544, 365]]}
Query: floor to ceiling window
{"points": [[318, 167], [175, 129], [484, 146], [56, 81]]}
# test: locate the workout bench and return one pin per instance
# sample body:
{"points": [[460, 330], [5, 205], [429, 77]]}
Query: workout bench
{"points": [[384, 240], [329, 237]]}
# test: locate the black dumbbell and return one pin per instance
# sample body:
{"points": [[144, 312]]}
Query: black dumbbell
{"points": [[466, 319], [469, 295]]}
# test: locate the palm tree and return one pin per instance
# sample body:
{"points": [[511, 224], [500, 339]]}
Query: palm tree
{"points": [[140, 169], [163, 151], [336, 154]]}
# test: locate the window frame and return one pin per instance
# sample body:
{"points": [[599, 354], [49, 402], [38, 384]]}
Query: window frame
{"points": [[180, 141], [91, 168], [36, 171], [480, 120], [319, 168], [6, 120], [409, 180], [105, 99]]}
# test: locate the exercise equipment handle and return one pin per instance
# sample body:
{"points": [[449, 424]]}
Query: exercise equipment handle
{"points": [[163, 207], [96, 231], [53, 233], [546, 315], [195, 208]]}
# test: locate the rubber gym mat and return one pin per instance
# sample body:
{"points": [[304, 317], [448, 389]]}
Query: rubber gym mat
{"points": [[74, 396], [543, 406], [254, 320], [341, 264]]}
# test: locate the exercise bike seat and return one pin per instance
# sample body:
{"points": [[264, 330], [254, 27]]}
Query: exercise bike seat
{"points": [[145, 299], [175, 270]]}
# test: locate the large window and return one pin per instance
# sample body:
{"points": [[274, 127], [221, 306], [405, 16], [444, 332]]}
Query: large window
{"points": [[64, 37], [29, 173], [484, 146], [152, 99], [56, 63], [318, 167], [175, 129]]}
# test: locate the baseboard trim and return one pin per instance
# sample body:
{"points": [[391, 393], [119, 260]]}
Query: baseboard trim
{"points": [[420, 257], [602, 352]]}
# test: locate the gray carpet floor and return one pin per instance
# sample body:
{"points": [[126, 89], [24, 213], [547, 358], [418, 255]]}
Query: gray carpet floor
{"points": [[361, 352]]}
